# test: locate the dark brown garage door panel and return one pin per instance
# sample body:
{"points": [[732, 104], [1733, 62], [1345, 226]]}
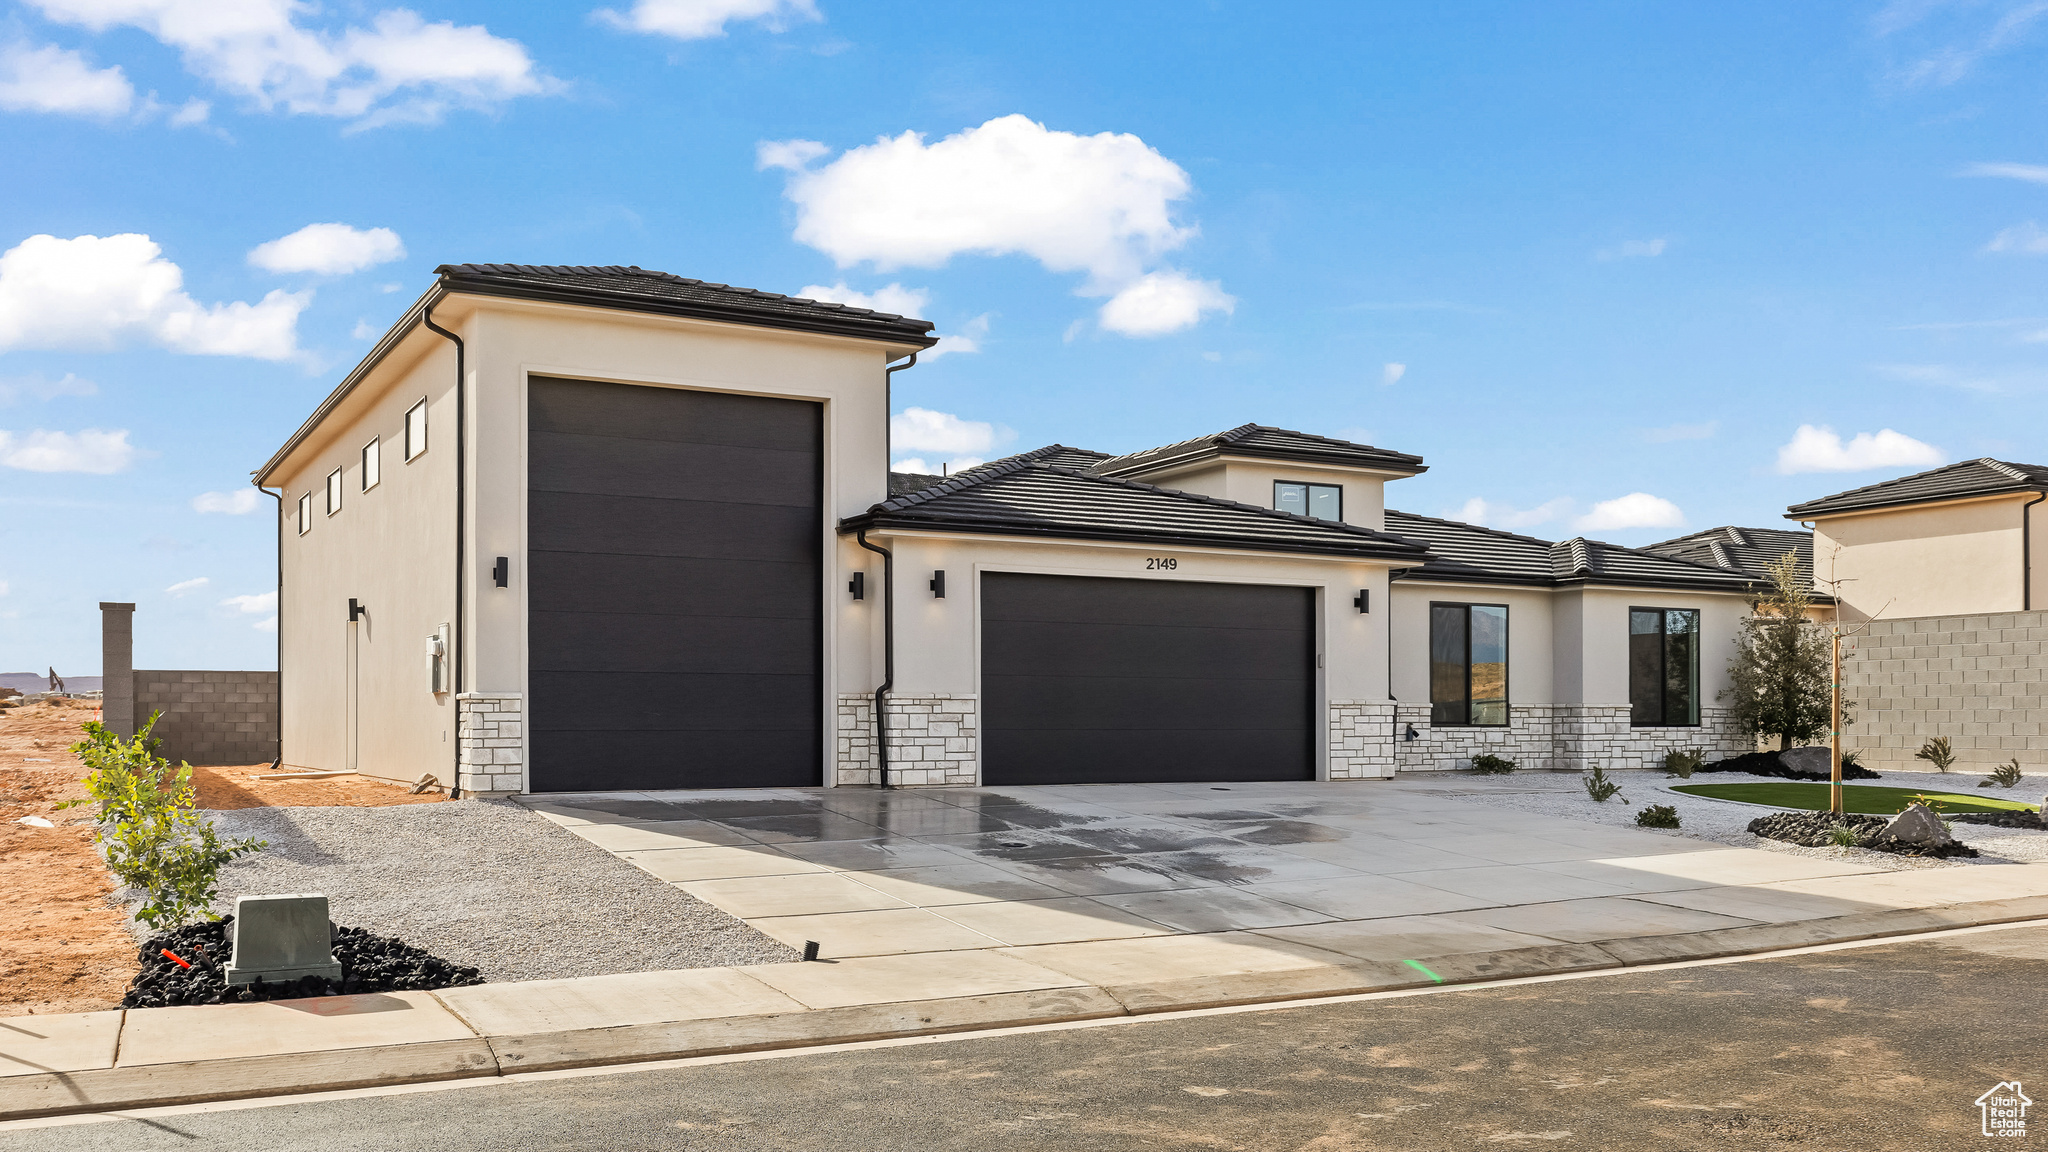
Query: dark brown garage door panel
{"points": [[1094, 680], [674, 567]]}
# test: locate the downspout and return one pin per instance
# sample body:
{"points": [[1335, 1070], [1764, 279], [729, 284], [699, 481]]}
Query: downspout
{"points": [[888, 410], [888, 654], [2027, 552], [279, 497], [455, 655]]}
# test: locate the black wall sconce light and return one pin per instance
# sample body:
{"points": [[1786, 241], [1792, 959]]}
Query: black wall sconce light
{"points": [[501, 572], [1363, 601], [356, 610], [1411, 734], [939, 584], [858, 586]]}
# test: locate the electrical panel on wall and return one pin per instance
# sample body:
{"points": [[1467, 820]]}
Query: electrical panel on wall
{"points": [[437, 660]]}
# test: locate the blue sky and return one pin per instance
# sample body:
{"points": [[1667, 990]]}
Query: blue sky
{"points": [[1621, 270]]}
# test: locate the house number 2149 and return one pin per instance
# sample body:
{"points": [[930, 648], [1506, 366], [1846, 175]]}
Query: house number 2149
{"points": [[1161, 563]]}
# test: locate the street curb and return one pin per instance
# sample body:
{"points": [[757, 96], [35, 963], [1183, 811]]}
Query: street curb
{"points": [[122, 1088]]}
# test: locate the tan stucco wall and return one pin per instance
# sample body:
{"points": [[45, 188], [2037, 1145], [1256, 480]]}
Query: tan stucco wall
{"points": [[357, 696], [1930, 560], [1251, 482], [1529, 637]]}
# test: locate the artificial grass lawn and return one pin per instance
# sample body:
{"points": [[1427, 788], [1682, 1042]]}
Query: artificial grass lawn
{"points": [[1862, 798]]}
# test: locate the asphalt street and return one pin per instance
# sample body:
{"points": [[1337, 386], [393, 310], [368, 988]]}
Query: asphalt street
{"points": [[1877, 1048]]}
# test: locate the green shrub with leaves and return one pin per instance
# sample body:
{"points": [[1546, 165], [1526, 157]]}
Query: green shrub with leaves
{"points": [[2005, 775], [1937, 752], [1658, 816], [154, 840], [1843, 836], [1598, 786], [1487, 764], [1683, 762]]}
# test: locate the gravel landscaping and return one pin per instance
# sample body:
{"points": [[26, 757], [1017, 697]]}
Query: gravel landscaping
{"points": [[485, 884], [1726, 822], [186, 966]]}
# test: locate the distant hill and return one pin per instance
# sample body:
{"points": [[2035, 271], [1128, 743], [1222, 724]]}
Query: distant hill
{"points": [[40, 682]]}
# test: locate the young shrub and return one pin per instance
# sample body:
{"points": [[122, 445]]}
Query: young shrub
{"points": [[154, 841], [1843, 836], [1598, 786], [1487, 764], [1682, 763], [1658, 816], [1937, 752], [1780, 680], [2005, 775]]}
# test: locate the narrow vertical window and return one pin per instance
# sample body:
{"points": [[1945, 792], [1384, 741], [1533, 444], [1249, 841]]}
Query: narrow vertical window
{"points": [[416, 430], [1468, 664], [305, 513], [334, 492], [370, 463], [1663, 667]]}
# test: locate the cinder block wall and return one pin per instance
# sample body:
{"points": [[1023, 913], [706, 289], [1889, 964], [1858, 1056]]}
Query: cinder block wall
{"points": [[210, 717], [1981, 681]]}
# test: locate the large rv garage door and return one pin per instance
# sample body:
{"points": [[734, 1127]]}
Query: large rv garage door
{"points": [[673, 588], [1094, 681]]}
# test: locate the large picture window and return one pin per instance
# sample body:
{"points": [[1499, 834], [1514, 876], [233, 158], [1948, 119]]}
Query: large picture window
{"points": [[1663, 667], [1322, 501], [1468, 664]]}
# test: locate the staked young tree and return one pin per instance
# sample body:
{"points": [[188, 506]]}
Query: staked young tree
{"points": [[1779, 680]]}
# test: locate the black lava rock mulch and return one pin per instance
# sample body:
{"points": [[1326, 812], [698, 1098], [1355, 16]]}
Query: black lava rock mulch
{"points": [[1816, 830], [1768, 764], [2031, 820], [369, 963]]}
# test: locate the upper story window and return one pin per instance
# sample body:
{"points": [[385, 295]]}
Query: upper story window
{"points": [[370, 463], [334, 492], [1468, 664], [1322, 501], [416, 430], [305, 513], [1663, 667]]}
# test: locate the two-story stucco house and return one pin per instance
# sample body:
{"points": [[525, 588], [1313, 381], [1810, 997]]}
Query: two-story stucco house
{"points": [[578, 529]]}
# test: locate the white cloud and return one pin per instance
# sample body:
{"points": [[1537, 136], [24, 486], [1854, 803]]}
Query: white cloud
{"points": [[3, 587], [923, 430], [53, 79], [967, 339], [936, 466], [398, 68], [1820, 449], [256, 605], [92, 291], [1100, 205], [364, 330], [703, 19], [1672, 432], [1391, 373], [184, 586], [1492, 515], [1635, 510], [329, 249], [38, 388], [94, 450], [2031, 173], [1967, 46], [893, 298], [2028, 237], [1162, 302], [191, 113], [239, 502], [1632, 250]]}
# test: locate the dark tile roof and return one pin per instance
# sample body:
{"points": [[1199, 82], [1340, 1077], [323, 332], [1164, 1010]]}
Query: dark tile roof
{"points": [[904, 483], [1747, 550], [641, 290], [1468, 553], [1267, 443], [1984, 477], [1029, 495]]}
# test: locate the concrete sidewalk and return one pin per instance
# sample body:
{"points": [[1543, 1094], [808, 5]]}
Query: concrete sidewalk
{"points": [[1682, 900]]}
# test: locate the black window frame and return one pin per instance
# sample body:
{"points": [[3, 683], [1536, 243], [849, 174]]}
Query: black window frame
{"points": [[415, 447], [1308, 498], [1637, 686], [372, 463], [1437, 716]]}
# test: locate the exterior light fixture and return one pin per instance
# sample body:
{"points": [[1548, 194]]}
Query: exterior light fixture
{"points": [[1363, 601], [939, 584], [1411, 734], [858, 586], [501, 572], [356, 610]]}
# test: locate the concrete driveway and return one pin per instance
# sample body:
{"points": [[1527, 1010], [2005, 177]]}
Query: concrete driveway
{"points": [[1375, 870]]}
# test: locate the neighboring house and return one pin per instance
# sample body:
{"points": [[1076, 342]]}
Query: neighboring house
{"points": [[1750, 551], [1953, 541], [652, 542]]}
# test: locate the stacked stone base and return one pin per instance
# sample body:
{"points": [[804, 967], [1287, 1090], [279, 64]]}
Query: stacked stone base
{"points": [[1559, 738], [932, 740], [492, 760]]}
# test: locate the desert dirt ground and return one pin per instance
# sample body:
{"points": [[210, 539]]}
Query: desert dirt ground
{"points": [[63, 945]]}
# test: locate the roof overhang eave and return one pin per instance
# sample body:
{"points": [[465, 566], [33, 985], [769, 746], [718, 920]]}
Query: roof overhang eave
{"points": [[633, 302], [872, 522]]}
